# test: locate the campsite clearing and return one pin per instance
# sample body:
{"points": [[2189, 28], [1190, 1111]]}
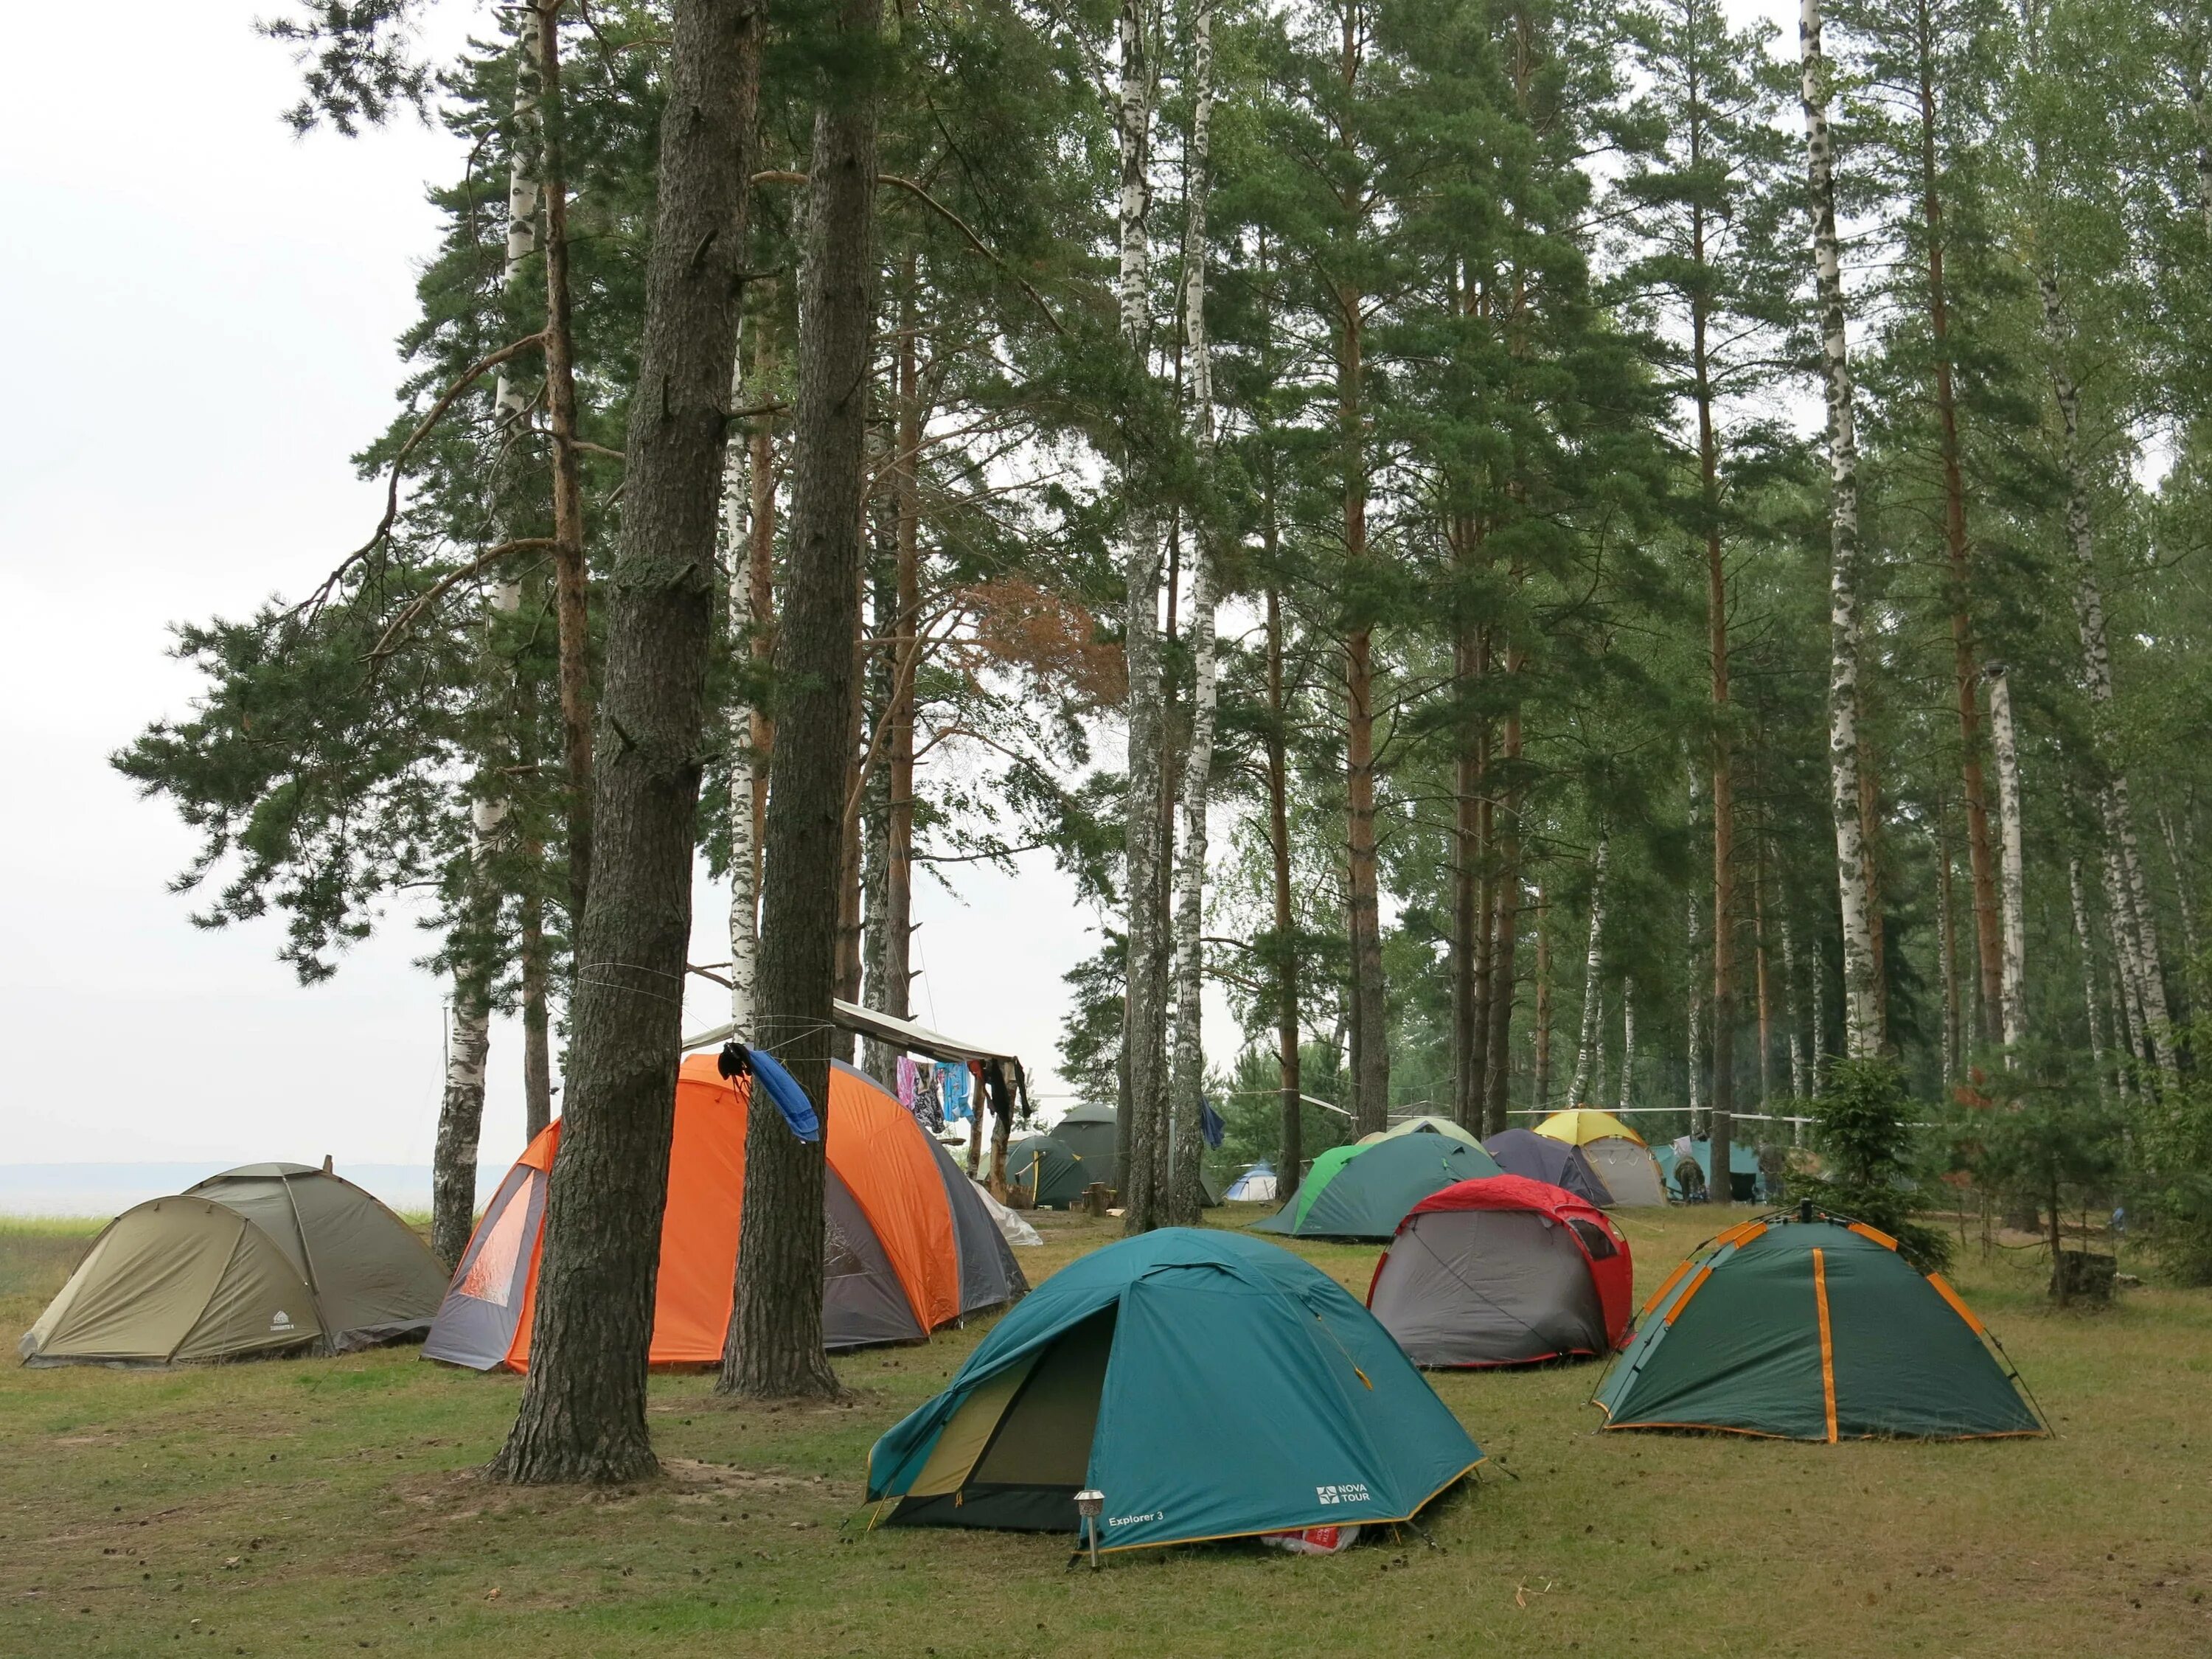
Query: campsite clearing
{"points": [[328, 1504]]}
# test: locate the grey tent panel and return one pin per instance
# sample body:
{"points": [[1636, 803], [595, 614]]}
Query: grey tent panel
{"points": [[862, 1300], [476, 1325], [1487, 1287], [1540, 1157], [989, 1276], [1631, 1174]]}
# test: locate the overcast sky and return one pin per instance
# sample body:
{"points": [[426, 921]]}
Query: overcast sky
{"points": [[203, 310]]}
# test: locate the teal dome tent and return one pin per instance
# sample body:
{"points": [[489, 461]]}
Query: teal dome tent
{"points": [[1210, 1385], [1364, 1192]]}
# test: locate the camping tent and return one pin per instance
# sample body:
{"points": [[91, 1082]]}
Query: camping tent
{"points": [[1088, 1132], [1364, 1192], [1423, 1126], [1616, 1151], [1747, 1184], [1811, 1330], [1256, 1185], [1540, 1157], [910, 1246], [1054, 1174], [260, 1260], [1504, 1270], [1210, 1385]]}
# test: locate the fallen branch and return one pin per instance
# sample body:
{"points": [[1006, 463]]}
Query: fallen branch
{"points": [[316, 600], [445, 584]]}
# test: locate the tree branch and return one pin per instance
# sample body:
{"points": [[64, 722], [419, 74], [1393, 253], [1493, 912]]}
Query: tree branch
{"points": [[445, 584]]}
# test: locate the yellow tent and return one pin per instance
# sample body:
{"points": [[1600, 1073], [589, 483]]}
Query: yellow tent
{"points": [[1616, 1151], [1580, 1126]]}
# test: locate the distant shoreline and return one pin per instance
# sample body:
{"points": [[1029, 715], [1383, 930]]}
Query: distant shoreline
{"points": [[95, 1191]]}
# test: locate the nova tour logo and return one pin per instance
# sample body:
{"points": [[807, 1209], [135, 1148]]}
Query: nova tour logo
{"points": [[1132, 1520], [282, 1321], [1351, 1491]]}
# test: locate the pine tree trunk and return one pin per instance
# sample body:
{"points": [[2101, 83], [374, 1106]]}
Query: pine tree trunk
{"points": [[1364, 914], [744, 774], [761, 557], [571, 580], [877, 1059], [2014, 1010], [1539, 1082], [1697, 942], [1946, 936], [1965, 667], [1760, 983], [1505, 935], [1588, 1059], [582, 1413], [1187, 1196], [1862, 1024], [2135, 923], [773, 1349], [536, 1021], [898, 870], [1466, 857], [1144, 1029], [1290, 1160]]}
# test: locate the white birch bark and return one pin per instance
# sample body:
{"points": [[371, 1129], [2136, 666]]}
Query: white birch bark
{"points": [[2124, 960], [1862, 1037], [2180, 867], [744, 900], [2136, 925], [461, 1109], [1144, 1033], [1588, 1058], [1627, 1044], [2012, 885], [1189, 1080], [1801, 1077], [2089, 1001]]}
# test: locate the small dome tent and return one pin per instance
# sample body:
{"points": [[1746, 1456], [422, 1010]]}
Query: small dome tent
{"points": [[910, 1246], [262, 1259], [1088, 1132], [1504, 1270], [1812, 1329], [1746, 1182], [1616, 1151], [1364, 1192], [1055, 1175], [1428, 1125], [1539, 1157], [1210, 1385], [1256, 1185]]}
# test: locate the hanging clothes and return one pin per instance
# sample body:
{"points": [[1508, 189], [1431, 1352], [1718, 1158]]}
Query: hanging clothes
{"points": [[952, 1090], [1210, 1123], [908, 1079], [928, 1105]]}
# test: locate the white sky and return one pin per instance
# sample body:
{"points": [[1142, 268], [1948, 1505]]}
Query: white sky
{"points": [[202, 311]]}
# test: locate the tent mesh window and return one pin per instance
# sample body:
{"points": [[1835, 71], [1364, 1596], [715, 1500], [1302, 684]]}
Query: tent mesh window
{"points": [[1594, 1239]]}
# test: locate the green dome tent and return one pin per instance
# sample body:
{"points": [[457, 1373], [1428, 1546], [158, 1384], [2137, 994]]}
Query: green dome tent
{"points": [[1044, 1163], [1811, 1330], [1364, 1192], [1088, 1132], [1210, 1385]]}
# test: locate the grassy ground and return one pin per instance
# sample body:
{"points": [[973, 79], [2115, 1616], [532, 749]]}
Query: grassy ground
{"points": [[329, 1505]]}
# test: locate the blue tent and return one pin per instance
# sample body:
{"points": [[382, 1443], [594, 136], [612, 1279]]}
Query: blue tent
{"points": [[1210, 1384]]}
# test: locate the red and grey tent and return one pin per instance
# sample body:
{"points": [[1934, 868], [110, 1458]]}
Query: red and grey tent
{"points": [[1504, 1270]]}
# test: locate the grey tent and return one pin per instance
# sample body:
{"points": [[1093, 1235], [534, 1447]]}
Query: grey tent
{"points": [[1540, 1157], [267, 1258], [1504, 1270]]}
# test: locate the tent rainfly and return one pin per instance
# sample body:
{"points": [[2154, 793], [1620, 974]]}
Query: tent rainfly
{"points": [[1540, 1157], [1055, 1175], [1364, 1192], [1616, 1151], [1210, 1384], [1812, 1329], [1504, 1270], [910, 1246], [262, 1259]]}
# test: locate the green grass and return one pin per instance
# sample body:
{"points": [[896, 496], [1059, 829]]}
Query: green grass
{"points": [[330, 1504]]}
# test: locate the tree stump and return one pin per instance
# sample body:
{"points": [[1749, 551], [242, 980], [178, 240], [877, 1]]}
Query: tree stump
{"points": [[2086, 1277], [1020, 1195], [1096, 1198]]}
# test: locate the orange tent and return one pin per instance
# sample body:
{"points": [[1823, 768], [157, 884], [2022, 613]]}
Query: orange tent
{"points": [[910, 1245]]}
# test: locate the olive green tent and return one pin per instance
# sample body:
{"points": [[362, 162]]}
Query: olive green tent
{"points": [[1044, 1164], [1812, 1329], [1366, 1191], [1088, 1132], [1209, 1384], [263, 1260]]}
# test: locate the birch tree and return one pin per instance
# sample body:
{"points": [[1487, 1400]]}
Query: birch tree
{"points": [[1863, 1038], [1589, 1059], [2013, 881]]}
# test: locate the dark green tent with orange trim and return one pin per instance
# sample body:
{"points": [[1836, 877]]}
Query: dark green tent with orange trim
{"points": [[1812, 1328]]}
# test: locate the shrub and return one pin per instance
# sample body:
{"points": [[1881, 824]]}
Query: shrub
{"points": [[1863, 1127]]}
